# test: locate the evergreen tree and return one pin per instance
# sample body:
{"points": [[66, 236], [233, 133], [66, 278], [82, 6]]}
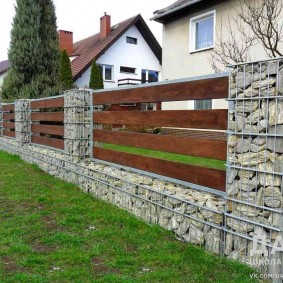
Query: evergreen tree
{"points": [[96, 81], [34, 52], [66, 78]]}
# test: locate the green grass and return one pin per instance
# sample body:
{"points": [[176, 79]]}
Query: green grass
{"points": [[203, 162], [52, 232]]}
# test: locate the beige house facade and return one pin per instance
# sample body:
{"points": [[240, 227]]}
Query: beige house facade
{"points": [[191, 29]]}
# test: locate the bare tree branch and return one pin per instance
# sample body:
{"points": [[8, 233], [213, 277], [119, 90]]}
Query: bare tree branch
{"points": [[258, 22]]}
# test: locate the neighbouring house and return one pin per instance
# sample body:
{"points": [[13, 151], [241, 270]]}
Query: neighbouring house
{"points": [[127, 53], [4, 67], [190, 30]]}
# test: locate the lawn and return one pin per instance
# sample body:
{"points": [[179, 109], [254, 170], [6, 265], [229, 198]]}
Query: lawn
{"points": [[52, 232], [200, 161]]}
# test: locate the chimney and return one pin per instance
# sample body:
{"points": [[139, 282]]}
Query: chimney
{"points": [[66, 41], [105, 26]]}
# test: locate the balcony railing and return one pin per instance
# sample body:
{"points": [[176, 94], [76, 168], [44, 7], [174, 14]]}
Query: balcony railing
{"points": [[128, 82]]}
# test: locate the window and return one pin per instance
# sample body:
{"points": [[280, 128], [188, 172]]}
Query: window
{"points": [[127, 70], [203, 104], [131, 40], [202, 30], [106, 72], [149, 76]]}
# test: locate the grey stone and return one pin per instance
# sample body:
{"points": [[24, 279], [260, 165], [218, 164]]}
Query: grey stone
{"points": [[275, 144], [232, 140], [213, 243], [194, 236], [232, 173], [273, 197], [239, 226], [243, 80], [229, 244], [243, 145], [267, 180], [264, 84], [246, 106], [276, 112], [252, 159], [248, 185], [247, 210], [233, 188], [254, 117]]}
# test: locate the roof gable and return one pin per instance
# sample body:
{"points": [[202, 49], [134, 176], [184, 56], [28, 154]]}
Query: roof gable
{"points": [[93, 47], [4, 66], [182, 8]]}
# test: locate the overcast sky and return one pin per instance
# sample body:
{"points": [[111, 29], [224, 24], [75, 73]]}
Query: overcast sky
{"points": [[82, 16]]}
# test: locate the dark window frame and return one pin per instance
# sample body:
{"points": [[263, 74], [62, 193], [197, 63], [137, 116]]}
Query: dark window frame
{"points": [[131, 40], [128, 70]]}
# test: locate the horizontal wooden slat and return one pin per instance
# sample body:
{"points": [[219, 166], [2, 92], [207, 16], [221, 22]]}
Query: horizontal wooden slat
{"points": [[9, 125], [212, 88], [48, 103], [48, 129], [183, 145], [211, 178], [9, 107], [199, 119], [8, 116], [48, 116], [9, 133], [56, 143]]}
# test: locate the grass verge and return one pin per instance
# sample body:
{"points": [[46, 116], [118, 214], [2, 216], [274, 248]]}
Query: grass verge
{"points": [[199, 161], [52, 232]]}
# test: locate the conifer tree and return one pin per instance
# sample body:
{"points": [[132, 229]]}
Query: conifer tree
{"points": [[34, 52], [66, 78], [96, 81]]}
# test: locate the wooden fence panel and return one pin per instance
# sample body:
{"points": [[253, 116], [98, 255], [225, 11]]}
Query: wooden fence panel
{"points": [[8, 116], [10, 134], [200, 147], [8, 107], [48, 116], [57, 143], [48, 103], [210, 88], [199, 119], [9, 125], [48, 129], [211, 178]]}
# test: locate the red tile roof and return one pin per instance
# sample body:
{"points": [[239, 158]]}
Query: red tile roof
{"points": [[92, 47]]}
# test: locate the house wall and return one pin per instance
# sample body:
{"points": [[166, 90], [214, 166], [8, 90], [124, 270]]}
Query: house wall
{"points": [[138, 56], [178, 62]]}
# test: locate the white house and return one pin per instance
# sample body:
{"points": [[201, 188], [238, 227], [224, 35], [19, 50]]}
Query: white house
{"points": [[191, 29], [127, 53]]}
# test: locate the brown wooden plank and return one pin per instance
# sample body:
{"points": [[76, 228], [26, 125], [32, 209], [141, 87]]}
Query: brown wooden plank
{"points": [[48, 129], [48, 116], [9, 107], [47, 103], [56, 143], [9, 125], [209, 148], [211, 178], [8, 116], [199, 119], [10, 134], [211, 88]]}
